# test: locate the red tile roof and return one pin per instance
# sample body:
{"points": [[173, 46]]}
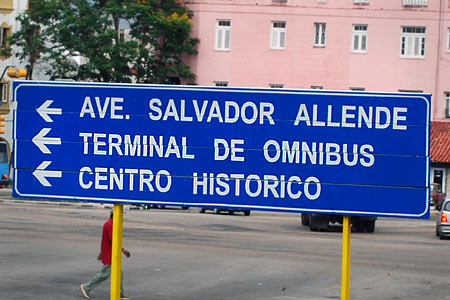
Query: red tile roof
{"points": [[440, 142]]}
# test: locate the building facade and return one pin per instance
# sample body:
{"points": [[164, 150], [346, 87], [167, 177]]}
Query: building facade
{"points": [[372, 45], [440, 153], [9, 10]]}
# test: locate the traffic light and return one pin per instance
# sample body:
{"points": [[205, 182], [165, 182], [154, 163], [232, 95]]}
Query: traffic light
{"points": [[2, 124], [17, 73]]}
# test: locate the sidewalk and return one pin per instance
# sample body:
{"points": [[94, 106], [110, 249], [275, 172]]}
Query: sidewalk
{"points": [[7, 192], [6, 197]]}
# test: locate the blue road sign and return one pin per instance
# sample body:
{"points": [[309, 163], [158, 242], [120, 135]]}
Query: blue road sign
{"points": [[286, 150]]}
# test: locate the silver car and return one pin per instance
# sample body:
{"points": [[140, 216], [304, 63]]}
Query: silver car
{"points": [[443, 221]]}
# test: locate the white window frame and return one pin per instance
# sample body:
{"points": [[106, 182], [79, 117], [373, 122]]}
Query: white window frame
{"points": [[360, 38], [278, 35], [221, 83], [320, 34], [4, 33], [361, 1], [124, 35], [444, 177], [415, 2], [223, 35], [4, 86], [448, 39], [413, 42], [447, 104]]}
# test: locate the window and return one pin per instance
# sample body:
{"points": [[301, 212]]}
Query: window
{"points": [[361, 1], [317, 87], [276, 86], [121, 35], [4, 152], [319, 39], [220, 83], [448, 39], [124, 35], [359, 39], [357, 89], [413, 42], [4, 33], [447, 104], [415, 2], [223, 34], [438, 175], [5, 92], [278, 35]]}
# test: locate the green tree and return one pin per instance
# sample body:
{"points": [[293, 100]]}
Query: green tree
{"points": [[29, 40], [159, 30], [163, 30]]}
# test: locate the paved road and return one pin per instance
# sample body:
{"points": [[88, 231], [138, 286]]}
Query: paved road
{"points": [[48, 248]]}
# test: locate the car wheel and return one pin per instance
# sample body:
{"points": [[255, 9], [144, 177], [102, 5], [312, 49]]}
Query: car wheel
{"points": [[318, 222], [216, 211], [231, 212], [437, 231], [305, 219], [201, 210], [185, 207], [246, 213], [311, 228], [441, 236]]}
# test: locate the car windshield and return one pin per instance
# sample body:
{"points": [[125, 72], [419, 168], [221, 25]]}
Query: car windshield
{"points": [[447, 205], [3, 153], [435, 188]]}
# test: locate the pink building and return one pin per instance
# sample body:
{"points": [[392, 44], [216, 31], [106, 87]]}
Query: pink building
{"points": [[372, 45], [375, 45]]}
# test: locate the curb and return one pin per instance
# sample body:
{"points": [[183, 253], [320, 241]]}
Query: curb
{"points": [[58, 203]]}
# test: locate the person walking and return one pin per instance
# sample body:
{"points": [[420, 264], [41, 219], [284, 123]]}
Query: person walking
{"points": [[105, 258]]}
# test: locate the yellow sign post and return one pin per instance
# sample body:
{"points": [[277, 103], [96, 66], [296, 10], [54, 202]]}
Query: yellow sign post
{"points": [[116, 262], [346, 235]]}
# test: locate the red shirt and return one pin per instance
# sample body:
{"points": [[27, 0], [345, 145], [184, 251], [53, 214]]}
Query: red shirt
{"points": [[106, 247]]}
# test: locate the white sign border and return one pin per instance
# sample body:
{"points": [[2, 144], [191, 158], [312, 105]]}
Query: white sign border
{"points": [[244, 90]]}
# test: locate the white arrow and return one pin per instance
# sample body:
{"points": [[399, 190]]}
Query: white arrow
{"points": [[41, 140], [44, 111], [41, 173]]}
